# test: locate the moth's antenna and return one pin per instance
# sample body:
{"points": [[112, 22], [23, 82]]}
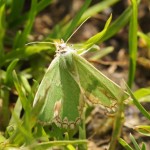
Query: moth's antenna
{"points": [[38, 42], [77, 29]]}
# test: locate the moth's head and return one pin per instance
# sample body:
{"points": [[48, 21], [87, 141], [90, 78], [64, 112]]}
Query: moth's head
{"points": [[62, 47]]}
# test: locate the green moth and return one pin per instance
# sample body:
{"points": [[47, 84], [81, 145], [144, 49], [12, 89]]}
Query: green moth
{"points": [[69, 82]]}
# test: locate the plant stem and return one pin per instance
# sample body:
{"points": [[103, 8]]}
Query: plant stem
{"points": [[117, 126], [82, 132], [132, 43]]}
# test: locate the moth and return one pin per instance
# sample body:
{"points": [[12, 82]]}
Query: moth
{"points": [[71, 82]]}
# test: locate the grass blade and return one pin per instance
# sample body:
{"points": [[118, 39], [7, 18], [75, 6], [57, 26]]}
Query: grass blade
{"points": [[142, 92], [134, 142], [138, 105], [23, 36], [97, 38], [97, 8], [16, 9], [2, 27], [146, 39], [21, 94], [45, 145], [118, 24], [42, 4], [24, 53], [21, 134], [143, 146], [132, 43], [17, 110], [93, 10], [76, 19], [9, 71], [117, 126], [125, 144], [143, 129]]}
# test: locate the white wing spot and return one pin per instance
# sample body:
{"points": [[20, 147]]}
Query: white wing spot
{"points": [[57, 108]]}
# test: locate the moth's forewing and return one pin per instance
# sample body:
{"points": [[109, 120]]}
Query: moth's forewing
{"points": [[96, 86], [63, 103], [50, 85]]}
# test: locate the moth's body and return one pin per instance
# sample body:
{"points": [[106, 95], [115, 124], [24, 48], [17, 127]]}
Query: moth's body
{"points": [[71, 81]]}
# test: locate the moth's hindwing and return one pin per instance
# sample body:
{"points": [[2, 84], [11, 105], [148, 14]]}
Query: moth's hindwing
{"points": [[96, 87]]}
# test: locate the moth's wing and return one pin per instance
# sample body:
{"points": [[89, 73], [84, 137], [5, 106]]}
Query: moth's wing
{"points": [[96, 86], [72, 100], [51, 86], [63, 102]]}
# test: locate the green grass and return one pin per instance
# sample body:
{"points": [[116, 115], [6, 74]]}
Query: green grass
{"points": [[21, 73], [133, 42]]}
